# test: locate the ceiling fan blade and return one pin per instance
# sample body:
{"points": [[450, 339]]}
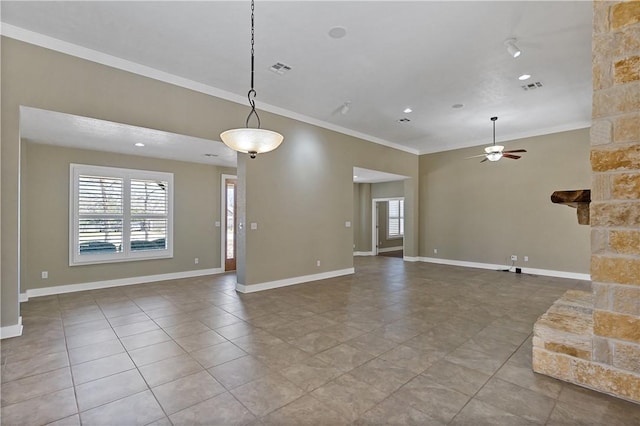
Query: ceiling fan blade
{"points": [[514, 150], [476, 156], [486, 159], [515, 157]]}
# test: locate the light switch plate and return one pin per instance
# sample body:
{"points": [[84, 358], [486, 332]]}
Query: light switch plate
{"points": [[254, 226], [217, 224], [347, 224]]}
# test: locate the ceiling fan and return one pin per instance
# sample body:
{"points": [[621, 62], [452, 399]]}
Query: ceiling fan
{"points": [[496, 152]]}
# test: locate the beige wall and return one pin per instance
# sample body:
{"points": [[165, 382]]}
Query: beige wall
{"points": [[387, 189], [362, 217], [313, 167], [301, 195], [484, 212], [45, 216]]}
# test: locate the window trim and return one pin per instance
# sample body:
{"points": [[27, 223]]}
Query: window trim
{"points": [[400, 218], [127, 255]]}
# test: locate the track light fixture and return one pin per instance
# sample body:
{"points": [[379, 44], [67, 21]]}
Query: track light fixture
{"points": [[512, 48]]}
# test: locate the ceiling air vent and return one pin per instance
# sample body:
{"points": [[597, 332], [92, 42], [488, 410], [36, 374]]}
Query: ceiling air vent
{"points": [[531, 86], [280, 68], [404, 120]]}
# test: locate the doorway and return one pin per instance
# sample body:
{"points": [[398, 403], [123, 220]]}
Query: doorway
{"points": [[387, 229], [229, 214]]}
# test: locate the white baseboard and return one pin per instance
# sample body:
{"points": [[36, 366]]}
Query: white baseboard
{"points": [[388, 249], [532, 271], [363, 253], [410, 259], [292, 281], [11, 330], [71, 288], [557, 274]]}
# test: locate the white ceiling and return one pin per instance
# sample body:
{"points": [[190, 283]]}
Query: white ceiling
{"points": [[55, 128], [361, 175], [423, 55]]}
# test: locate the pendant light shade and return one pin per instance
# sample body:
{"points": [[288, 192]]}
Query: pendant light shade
{"points": [[252, 140]]}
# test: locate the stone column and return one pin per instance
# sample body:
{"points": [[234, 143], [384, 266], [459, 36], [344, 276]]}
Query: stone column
{"points": [[615, 194], [593, 339]]}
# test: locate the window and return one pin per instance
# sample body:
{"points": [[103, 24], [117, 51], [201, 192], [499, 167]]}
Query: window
{"points": [[119, 215], [395, 228]]}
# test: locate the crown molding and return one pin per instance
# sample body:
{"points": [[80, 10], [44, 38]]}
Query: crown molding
{"points": [[71, 49]]}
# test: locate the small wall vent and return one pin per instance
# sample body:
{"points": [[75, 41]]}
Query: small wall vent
{"points": [[280, 68], [404, 120], [531, 86]]}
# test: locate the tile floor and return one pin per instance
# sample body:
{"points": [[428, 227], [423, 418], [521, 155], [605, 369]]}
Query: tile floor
{"points": [[396, 343]]}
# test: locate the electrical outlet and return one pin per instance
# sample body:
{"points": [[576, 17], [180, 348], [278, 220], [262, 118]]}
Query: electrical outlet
{"points": [[45, 275], [514, 257], [435, 251], [526, 258], [196, 260], [317, 263]]}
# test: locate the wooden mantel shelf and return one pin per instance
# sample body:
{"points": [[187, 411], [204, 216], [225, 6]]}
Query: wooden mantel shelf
{"points": [[578, 199]]}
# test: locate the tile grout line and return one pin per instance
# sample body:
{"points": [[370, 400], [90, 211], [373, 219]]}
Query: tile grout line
{"points": [[489, 379]]}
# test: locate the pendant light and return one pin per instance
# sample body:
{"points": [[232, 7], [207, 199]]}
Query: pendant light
{"points": [[252, 140]]}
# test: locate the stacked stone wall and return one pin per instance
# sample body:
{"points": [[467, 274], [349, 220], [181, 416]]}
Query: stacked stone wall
{"points": [[615, 161], [613, 366]]}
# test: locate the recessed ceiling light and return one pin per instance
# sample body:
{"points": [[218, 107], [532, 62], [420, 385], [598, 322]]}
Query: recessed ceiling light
{"points": [[457, 106], [408, 110], [337, 32], [139, 144], [524, 77]]}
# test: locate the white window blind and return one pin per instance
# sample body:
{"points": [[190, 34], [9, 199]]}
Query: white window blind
{"points": [[119, 215], [149, 209], [395, 226]]}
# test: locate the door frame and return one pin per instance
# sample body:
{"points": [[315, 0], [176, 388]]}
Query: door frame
{"points": [[374, 222], [223, 215]]}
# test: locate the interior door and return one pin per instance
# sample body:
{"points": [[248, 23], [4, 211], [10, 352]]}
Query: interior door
{"points": [[230, 224]]}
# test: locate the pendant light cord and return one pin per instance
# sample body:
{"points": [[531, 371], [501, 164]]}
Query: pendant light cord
{"points": [[252, 93]]}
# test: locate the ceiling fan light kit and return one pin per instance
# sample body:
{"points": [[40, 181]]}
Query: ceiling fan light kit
{"points": [[496, 152], [252, 140]]}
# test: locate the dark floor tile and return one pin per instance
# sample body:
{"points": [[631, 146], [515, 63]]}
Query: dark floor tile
{"points": [[223, 409], [478, 413], [456, 377], [267, 394], [32, 386], [42, 409], [516, 400], [435, 400], [139, 409], [187, 391]]}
